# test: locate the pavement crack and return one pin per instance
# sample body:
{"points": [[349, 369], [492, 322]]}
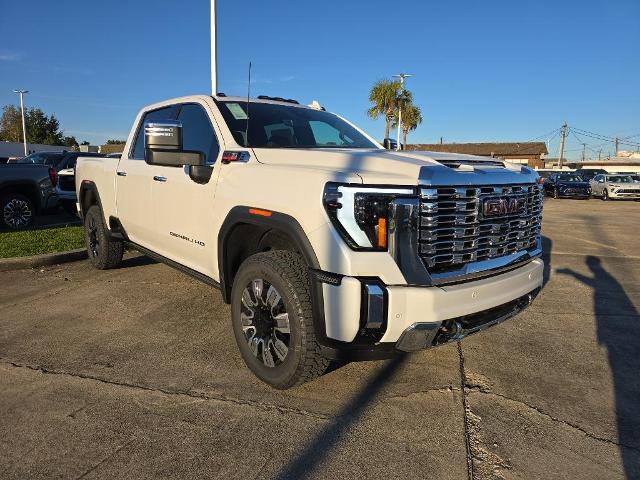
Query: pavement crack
{"points": [[187, 393], [476, 389], [465, 414], [111, 455], [443, 389]]}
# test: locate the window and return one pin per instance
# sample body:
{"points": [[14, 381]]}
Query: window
{"points": [[197, 132], [166, 113], [274, 125]]}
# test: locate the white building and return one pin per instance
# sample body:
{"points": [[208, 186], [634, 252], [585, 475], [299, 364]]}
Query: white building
{"points": [[16, 149]]}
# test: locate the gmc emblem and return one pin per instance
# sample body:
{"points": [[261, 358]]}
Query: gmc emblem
{"points": [[501, 206]]}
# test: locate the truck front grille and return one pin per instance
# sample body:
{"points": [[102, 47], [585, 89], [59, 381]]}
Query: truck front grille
{"points": [[455, 231]]}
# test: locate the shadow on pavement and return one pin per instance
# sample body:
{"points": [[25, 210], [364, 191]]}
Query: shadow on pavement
{"points": [[618, 325], [321, 446], [137, 261], [547, 247]]}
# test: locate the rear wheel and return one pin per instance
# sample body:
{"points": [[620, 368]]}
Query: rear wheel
{"points": [[104, 252], [272, 319], [17, 211]]}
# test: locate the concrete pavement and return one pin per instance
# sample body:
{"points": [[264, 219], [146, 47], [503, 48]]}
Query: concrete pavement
{"points": [[134, 373]]}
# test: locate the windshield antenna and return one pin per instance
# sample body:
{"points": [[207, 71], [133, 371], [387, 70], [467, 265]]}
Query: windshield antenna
{"points": [[246, 131]]}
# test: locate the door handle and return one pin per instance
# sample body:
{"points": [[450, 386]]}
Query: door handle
{"points": [[158, 178], [121, 174]]}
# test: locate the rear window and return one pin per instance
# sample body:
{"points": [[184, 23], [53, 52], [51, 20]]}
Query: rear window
{"points": [[288, 126]]}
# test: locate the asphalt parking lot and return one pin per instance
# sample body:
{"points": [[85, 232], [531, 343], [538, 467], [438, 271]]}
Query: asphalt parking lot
{"points": [[134, 373]]}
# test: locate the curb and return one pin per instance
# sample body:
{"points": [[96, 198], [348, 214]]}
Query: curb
{"points": [[19, 263]]}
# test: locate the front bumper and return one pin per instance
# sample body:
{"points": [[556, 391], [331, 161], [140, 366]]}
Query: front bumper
{"points": [[574, 193], [617, 194], [408, 318]]}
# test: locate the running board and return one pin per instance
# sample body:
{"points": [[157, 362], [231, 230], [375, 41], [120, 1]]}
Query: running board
{"points": [[178, 266]]}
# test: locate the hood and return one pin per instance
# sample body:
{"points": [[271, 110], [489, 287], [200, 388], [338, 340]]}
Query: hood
{"points": [[374, 166]]}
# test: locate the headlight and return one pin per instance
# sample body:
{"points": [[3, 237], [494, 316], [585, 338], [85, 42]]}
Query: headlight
{"points": [[361, 213]]}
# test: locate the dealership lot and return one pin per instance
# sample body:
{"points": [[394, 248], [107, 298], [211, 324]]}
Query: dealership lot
{"points": [[134, 372]]}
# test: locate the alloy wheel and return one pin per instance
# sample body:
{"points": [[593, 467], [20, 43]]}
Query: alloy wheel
{"points": [[265, 322], [17, 213]]}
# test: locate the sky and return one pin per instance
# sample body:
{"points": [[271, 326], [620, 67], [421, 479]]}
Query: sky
{"points": [[484, 70]]}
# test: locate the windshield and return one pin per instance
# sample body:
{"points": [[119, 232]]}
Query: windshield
{"points": [[283, 126], [570, 178], [619, 179], [41, 158]]}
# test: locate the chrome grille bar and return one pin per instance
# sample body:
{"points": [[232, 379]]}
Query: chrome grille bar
{"points": [[453, 231]]}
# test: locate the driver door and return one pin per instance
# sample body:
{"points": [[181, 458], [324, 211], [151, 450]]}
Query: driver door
{"points": [[182, 207]]}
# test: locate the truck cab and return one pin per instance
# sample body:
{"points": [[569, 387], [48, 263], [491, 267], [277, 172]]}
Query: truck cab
{"points": [[327, 246]]}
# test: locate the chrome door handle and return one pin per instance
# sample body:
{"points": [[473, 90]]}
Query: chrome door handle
{"points": [[158, 178], [121, 174]]}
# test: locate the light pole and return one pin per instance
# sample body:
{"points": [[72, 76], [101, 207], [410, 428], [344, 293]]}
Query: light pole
{"points": [[24, 125], [214, 50], [402, 76]]}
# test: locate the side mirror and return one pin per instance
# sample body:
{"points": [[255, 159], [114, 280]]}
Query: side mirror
{"points": [[163, 146], [390, 144]]}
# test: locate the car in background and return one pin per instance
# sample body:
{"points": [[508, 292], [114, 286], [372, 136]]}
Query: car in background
{"points": [[66, 187], [114, 155], [40, 158], [589, 173], [25, 191], [567, 185], [615, 186]]}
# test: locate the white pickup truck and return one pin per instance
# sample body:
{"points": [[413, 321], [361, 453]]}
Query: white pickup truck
{"points": [[326, 245]]}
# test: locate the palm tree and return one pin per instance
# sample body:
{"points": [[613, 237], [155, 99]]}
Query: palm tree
{"points": [[411, 118], [384, 98]]}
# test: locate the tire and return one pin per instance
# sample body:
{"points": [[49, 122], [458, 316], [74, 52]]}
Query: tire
{"points": [[555, 193], [17, 211], [605, 194], [104, 252], [268, 289]]}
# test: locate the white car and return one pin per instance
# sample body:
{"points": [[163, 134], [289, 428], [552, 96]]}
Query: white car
{"points": [[326, 245], [615, 186]]}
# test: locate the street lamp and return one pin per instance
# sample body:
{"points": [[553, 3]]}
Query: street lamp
{"points": [[402, 76], [24, 125]]}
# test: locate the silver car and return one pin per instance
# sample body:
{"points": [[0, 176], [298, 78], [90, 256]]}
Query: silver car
{"points": [[615, 186]]}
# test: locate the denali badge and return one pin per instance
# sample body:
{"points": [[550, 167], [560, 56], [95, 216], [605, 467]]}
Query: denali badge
{"points": [[500, 206]]}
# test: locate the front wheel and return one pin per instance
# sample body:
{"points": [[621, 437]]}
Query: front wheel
{"points": [[17, 211], [104, 252], [272, 315], [605, 194], [555, 193]]}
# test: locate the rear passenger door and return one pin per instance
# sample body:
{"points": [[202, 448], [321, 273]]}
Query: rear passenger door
{"points": [[183, 208]]}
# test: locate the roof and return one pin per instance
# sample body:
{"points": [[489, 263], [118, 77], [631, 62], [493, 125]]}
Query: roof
{"points": [[484, 149]]}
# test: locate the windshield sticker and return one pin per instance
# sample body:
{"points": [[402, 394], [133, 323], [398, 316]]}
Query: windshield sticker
{"points": [[237, 111]]}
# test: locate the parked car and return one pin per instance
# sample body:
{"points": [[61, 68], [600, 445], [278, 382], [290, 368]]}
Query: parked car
{"points": [[40, 158], [615, 187], [26, 190], [589, 173], [567, 185], [326, 245], [66, 187]]}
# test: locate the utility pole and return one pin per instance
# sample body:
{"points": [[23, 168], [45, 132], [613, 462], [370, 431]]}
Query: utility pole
{"points": [[24, 125], [584, 151], [617, 142], [563, 135], [214, 49], [600, 155], [402, 77]]}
